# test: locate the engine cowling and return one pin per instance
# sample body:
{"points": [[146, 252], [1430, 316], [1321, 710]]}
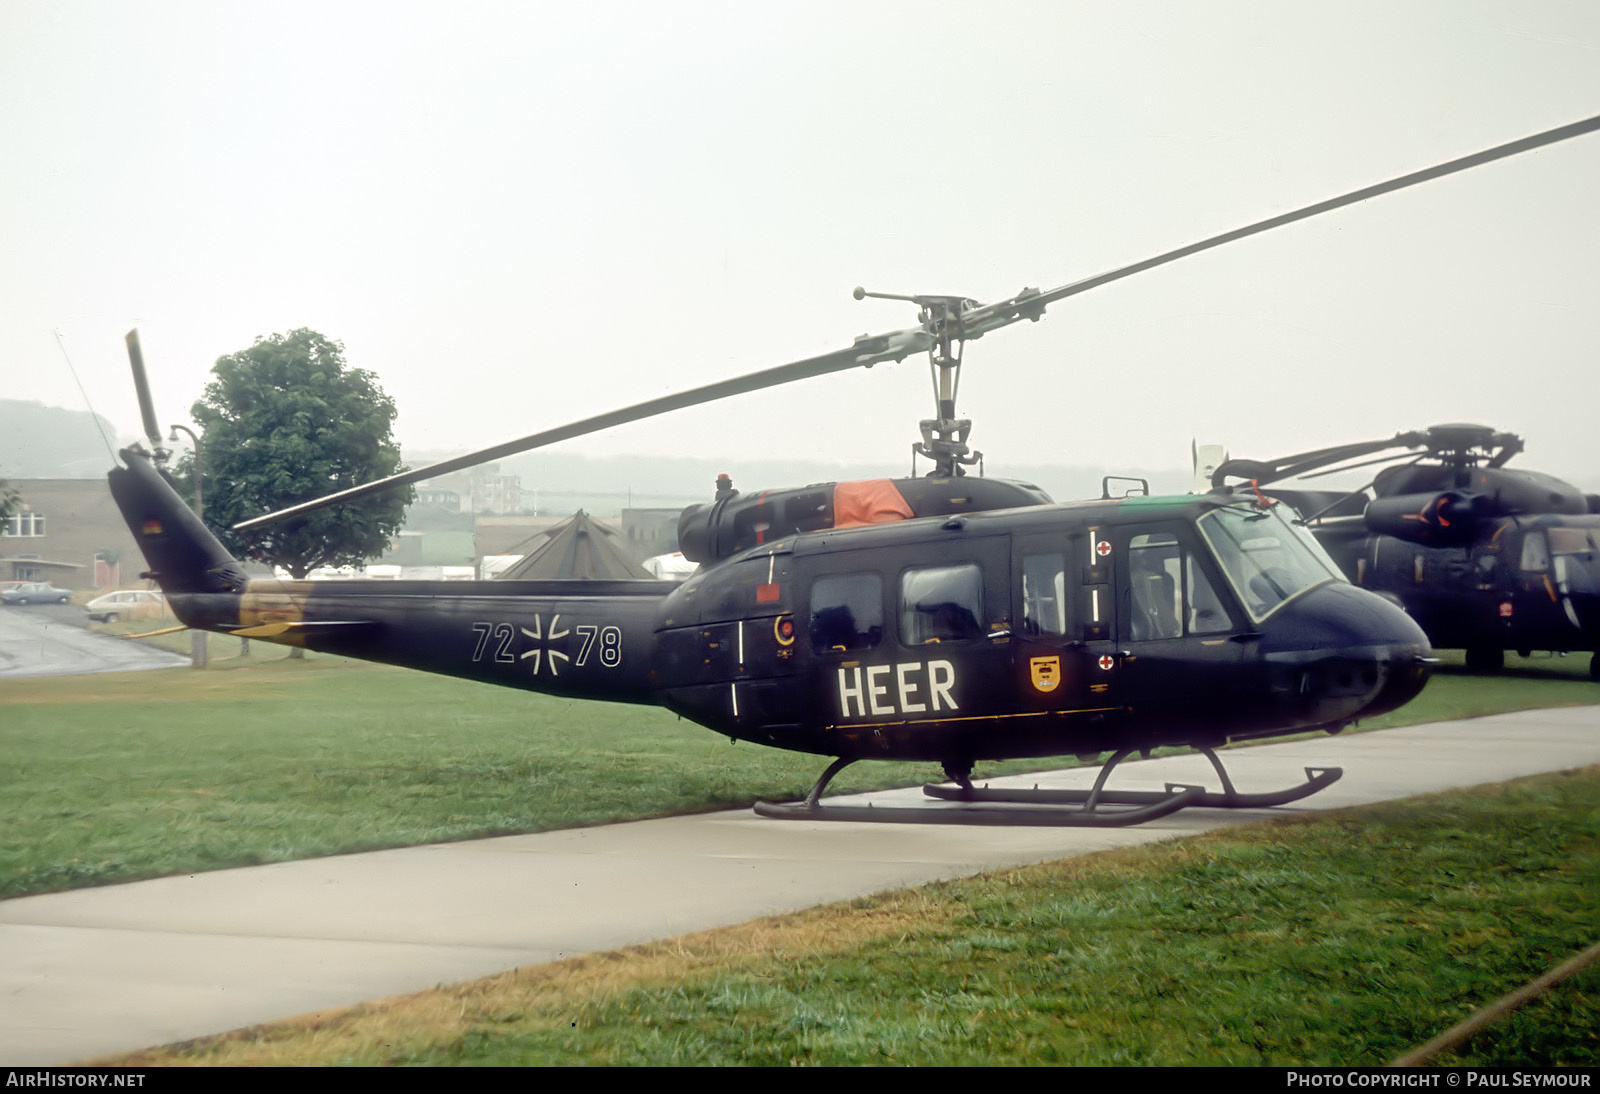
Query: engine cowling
{"points": [[1445, 519], [735, 521]]}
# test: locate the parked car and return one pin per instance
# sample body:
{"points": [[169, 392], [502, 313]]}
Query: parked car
{"points": [[36, 592], [127, 604]]}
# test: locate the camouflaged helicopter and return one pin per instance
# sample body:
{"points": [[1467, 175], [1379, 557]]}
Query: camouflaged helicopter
{"points": [[949, 618], [1484, 557]]}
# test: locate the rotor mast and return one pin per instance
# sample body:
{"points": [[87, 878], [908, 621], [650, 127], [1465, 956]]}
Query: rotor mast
{"points": [[944, 436]]}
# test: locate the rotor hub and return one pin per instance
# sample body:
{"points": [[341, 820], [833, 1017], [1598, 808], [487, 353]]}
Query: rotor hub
{"points": [[944, 438]]}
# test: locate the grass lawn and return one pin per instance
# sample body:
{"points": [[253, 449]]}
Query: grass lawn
{"points": [[1339, 939], [261, 759]]}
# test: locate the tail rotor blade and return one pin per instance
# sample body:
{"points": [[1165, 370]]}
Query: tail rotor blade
{"points": [[141, 384]]}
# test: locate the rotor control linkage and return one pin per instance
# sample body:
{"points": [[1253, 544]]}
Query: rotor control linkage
{"points": [[944, 438]]}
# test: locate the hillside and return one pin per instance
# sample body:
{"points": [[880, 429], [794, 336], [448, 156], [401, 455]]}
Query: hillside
{"points": [[52, 442]]}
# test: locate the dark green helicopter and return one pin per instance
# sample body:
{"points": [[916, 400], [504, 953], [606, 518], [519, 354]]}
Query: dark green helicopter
{"points": [[1486, 558], [950, 618]]}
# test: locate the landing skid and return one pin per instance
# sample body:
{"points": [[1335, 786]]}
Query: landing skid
{"points": [[1128, 806]]}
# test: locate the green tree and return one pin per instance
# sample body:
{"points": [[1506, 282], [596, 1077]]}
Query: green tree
{"points": [[286, 421], [8, 501]]}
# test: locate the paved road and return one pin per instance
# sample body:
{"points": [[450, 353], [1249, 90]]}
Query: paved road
{"points": [[103, 970], [54, 640]]}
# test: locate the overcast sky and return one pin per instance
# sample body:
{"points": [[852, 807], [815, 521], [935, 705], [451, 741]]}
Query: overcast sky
{"points": [[521, 214]]}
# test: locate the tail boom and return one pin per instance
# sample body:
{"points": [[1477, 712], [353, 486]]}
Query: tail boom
{"points": [[584, 639]]}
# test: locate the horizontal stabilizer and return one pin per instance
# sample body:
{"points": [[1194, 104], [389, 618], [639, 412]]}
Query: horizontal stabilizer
{"points": [[154, 634]]}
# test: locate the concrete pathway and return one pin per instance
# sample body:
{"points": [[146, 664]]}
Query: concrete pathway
{"points": [[103, 970], [38, 641]]}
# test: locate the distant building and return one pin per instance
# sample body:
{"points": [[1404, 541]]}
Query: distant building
{"points": [[496, 493], [480, 490], [70, 533], [651, 532], [439, 497], [411, 549]]}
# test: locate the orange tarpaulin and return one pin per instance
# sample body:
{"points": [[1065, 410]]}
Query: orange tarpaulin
{"points": [[873, 501]]}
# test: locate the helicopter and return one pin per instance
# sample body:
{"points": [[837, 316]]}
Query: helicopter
{"points": [[947, 618], [1486, 558]]}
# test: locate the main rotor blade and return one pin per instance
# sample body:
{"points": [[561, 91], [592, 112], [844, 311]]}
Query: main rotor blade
{"points": [[1030, 303], [1389, 457], [1289, 467], [895, 346], [867, 351]]}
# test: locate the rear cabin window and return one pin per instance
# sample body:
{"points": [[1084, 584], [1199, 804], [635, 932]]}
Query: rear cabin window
{"points": [[941, 604], [847, 611]]}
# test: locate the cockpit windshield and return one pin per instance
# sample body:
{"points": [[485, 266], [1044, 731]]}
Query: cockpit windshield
{"points": [[1268, 558]]}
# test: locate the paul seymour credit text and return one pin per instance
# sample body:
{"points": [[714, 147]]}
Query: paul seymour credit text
{"points": [[1464, 1078]]}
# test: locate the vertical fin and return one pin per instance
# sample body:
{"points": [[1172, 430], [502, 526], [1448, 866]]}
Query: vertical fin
{"points": [[183, 555]]}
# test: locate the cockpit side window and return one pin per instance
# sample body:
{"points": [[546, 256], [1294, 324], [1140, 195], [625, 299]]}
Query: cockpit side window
{"points": [[1535, 552], [1206, 613], [847, 611], [1571, 541], [1170, 595], [1154, 563]]}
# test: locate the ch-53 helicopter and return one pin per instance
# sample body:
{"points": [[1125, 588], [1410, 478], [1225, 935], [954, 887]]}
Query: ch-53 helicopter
{"points": [[949, 618], [1484, 557]]}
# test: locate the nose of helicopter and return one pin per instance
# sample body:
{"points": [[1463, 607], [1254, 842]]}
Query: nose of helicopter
{"points": [[1337, 653]]}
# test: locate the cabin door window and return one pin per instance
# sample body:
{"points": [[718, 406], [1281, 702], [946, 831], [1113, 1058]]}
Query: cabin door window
{"points": [[1051, 664], [1044, 594], [941, 604]]}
